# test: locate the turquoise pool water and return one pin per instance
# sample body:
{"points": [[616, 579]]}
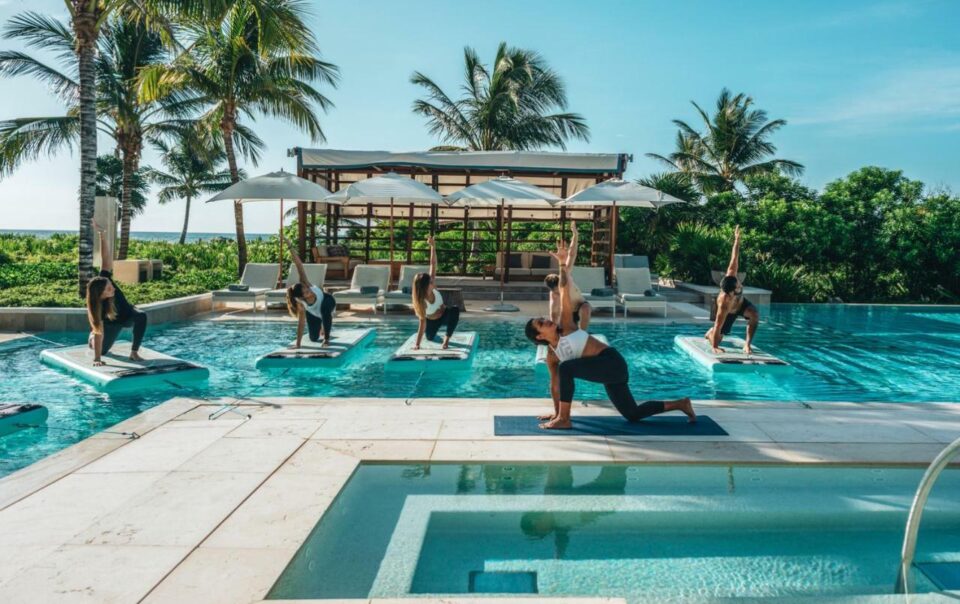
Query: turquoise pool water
{"points": [[648, 533], [841, 353]]}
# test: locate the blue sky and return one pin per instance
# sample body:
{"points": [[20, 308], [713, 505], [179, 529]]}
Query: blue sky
{"points": [[860, 83]]}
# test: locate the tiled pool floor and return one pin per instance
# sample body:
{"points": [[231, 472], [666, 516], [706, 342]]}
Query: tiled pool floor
{"points": [[200, 510]]}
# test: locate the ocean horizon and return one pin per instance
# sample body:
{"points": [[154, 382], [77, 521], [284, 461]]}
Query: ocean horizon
{"points": [[142, 235]]}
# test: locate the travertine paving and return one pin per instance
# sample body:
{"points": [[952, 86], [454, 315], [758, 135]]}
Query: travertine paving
{"points": [[201, 510]]}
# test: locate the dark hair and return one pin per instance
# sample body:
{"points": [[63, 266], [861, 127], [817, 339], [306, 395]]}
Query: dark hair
{"points": [[729, 284], [532, 333], [294, 293], [552, 281], [418, 295]]}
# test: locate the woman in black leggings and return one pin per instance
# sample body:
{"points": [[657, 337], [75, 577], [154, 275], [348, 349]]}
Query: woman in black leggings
{"points": [[108, 310], [428, 304], [309, 304], [574, 354]]}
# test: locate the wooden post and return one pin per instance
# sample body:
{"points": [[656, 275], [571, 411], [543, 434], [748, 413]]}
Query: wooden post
{"points": [[506, 257], [465, 250], [313, 227], [367, 254], [301, 227], [410, 236], [500, 241], [614, 214]]}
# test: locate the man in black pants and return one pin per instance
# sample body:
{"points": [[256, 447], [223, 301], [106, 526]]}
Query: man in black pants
{"points": [[731, 304]]}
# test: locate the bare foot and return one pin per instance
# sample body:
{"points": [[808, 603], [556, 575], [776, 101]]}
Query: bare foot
{"points": [[325, 343], [686, 405], [747, 349], [557, 423], [546, 417], [446, 343], [135, 356]]}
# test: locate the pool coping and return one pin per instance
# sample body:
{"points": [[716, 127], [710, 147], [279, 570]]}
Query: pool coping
{"points": [[257, 486]]}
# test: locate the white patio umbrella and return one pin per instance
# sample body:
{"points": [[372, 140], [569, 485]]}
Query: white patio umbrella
{"points": [[391, 188], [620, 193], [503, 192], [275, 186]]}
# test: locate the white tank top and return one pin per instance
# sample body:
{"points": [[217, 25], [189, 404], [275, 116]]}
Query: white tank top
{"points": [[432, 307], [313, 309], [571, 347]]}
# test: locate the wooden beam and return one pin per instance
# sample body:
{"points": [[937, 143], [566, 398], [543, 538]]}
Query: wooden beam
{"points": [[367, 252]]}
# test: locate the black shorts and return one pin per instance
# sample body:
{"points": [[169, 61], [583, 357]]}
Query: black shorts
{"points": [[732, 317]]}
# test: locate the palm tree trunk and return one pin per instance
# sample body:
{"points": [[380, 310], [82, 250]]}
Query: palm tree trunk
{"points": [[85, 30], [186, 220], [131, 161], [226, 126]]}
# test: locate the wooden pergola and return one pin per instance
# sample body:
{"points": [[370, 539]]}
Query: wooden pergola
{"points": [[563, 174]]}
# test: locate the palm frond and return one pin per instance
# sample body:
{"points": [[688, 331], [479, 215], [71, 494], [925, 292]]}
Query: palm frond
{"points": [[26, 139]]}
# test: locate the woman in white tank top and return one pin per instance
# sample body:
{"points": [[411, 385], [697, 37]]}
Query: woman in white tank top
{"points": [[573, 354], [309, 304], [428, 304]]}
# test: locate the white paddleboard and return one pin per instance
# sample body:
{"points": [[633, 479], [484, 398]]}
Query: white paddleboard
{"points": [[119, 372], [315, 354], [458, 355], [732, 358]]}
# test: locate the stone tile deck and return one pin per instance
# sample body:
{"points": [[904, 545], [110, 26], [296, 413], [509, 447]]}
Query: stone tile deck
{"points": [[199, 510]]}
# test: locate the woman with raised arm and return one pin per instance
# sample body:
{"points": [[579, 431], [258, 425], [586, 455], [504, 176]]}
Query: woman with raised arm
{"points": [[428, 304], [581, 308], [584, 357], [108, 310], [309, 304]]}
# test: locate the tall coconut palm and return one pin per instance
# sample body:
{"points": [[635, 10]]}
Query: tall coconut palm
{"points": [[242, 69], [734, 143], [506, 108], [193, 167]]}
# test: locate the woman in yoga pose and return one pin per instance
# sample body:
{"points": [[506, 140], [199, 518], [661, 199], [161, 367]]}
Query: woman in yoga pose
{"points": [[428, 304], [577, 355], [581, 308], [309, 304], [108, 310]]}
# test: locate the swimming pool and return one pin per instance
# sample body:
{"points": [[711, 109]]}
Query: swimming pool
{"points": [[841, 353], [651, 533]]}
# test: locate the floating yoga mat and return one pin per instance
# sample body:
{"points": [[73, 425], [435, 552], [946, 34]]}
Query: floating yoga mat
{"points": [[16, 416], [540, 361], [431, 357], [119, 372], [313, 354], [610, 425], [732, 359]]}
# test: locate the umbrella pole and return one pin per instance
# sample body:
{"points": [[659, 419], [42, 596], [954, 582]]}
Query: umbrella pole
{"points": [[391, 234], [502, 306]]}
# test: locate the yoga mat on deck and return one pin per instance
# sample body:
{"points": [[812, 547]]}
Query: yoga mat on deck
{"points": [[610, 425]]}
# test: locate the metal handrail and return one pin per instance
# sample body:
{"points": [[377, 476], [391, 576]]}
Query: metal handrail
{"points": [[905, 577]]}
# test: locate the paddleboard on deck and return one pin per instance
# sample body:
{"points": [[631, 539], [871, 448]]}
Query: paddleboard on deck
{"points": [[314, 354]]}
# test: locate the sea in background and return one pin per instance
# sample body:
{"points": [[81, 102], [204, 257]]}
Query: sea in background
{"points": [[144, 235]]}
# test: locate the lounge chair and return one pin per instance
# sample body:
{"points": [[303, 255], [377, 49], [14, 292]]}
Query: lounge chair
{"points": [[590, 278], [366, 276], [398, 297], [635, 290], [259, 279], [337, 258], [316, 273]]}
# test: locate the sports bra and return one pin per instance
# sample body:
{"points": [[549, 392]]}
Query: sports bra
{"points": [[571, 347], [314, 309], [433, 307]]}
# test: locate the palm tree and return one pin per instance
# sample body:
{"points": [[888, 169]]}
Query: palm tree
{"points": [[735, 143], [192, 170], [508, 108], [241, 68], [111, 177]]}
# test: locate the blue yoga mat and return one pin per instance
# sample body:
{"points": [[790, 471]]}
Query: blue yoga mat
{"points": [[608, 425]]}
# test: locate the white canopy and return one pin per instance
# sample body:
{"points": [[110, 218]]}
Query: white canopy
{"points": [[503, 191], [392, 188], [621, 193], [539, 161], [275, 186]]}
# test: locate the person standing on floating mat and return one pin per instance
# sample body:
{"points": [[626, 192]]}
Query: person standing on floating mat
{"points": [[584, 357], [731, 304], [581, 308], [309, 304], [428, 304], [108, 310]]}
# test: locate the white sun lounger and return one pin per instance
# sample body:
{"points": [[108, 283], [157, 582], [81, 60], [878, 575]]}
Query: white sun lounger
{"points": [[258, 277], [366, 275], [732, 359], [635, 290], [589, 278], [119, 372], [459, 355], [398, 297], [316, 274], [313, 354], [540, 360]]}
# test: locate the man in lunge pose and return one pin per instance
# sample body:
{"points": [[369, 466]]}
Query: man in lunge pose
{"points": [[731, 304]]}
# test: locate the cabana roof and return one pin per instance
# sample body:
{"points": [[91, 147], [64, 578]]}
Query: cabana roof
{"points": [[517, 162]]}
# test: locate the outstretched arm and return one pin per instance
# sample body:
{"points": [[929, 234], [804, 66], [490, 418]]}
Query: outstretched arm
{"points": [[715, 334], [566, 306], [574, 240], [734, 266], [433, 257], [298, 263], [106, 254]]}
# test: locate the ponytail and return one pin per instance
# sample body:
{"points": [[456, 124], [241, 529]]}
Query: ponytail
{"points": [[419, 294], [95, 305], [294, 293]]}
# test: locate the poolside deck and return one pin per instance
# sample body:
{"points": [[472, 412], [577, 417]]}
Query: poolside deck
{"points": [[200, 510]]}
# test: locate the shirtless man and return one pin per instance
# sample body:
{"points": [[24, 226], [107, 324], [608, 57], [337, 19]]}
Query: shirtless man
{"points": [[582, 309], [731, 304]]}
